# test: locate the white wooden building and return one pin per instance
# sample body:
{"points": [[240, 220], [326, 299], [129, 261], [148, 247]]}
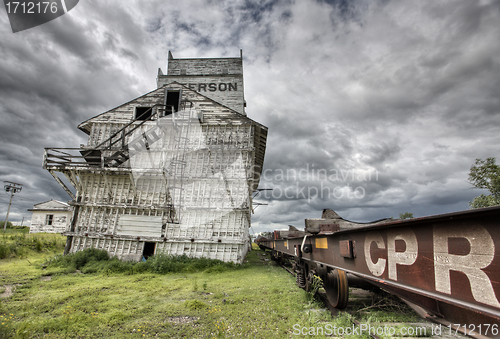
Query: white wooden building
{"points": [[172, 171], [50, 216]]}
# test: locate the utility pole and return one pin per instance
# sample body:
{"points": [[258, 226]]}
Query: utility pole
{"points": [[13, 188]]}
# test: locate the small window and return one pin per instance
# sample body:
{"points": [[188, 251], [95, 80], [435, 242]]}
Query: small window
{"points": [[183, 71], [48, 219], [143, 113], [172, 99]]}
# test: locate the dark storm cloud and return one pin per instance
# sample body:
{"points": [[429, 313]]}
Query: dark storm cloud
{"points": [[218, 26], [404, 91], [409, 94], [55, 76]]}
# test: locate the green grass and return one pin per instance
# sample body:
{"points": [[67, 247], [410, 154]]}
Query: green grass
{"points": [[199, 300], [195, 300], [380, 308], [25, 258], [17, 243]]}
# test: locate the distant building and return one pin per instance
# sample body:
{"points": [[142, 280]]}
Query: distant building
{"points": [[51, 216], [172, 171]]}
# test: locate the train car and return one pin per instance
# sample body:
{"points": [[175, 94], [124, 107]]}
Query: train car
{"points": [[445, 266]]}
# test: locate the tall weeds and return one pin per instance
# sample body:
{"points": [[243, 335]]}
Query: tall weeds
{"points": [[19, 244], [98, 261]]}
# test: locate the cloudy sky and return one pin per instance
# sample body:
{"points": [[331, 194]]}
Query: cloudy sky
{"points": [[374, 108]]}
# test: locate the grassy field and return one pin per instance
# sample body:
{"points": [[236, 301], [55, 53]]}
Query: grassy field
{"points": [[256, 300]]}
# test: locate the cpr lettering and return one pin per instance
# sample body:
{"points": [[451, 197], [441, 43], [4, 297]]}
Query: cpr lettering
{"points": [[378, 267], [482, 251], [407, 257], [480, 256]]}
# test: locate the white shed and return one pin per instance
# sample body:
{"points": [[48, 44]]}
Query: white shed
{"points": [[51, 216]]}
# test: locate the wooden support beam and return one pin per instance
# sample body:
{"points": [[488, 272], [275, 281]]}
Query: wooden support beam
{"points": [[63, 185]]}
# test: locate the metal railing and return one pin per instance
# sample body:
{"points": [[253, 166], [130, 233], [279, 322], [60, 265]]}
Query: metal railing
{"points": [[71, 157], [115, 147]]}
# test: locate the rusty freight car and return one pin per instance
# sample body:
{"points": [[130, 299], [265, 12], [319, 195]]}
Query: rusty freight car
{"points": [[446, 267]]}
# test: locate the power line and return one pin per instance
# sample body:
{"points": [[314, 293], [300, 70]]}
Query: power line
{"points": [[13, 188]]}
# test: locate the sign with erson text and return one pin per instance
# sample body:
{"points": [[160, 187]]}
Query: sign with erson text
{"points": [[213, 87]]}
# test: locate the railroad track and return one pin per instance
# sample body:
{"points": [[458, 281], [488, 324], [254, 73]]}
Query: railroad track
{"points": [[362, 301]]}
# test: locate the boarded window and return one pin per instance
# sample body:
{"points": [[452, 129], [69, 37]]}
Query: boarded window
{"points": [[48, 219], [143, 113], [139, 225]]}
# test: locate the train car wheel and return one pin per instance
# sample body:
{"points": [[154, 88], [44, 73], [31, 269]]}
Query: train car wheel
{"points": [[337, 288], [301, 279]]}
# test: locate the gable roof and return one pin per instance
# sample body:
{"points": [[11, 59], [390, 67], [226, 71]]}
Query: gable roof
{"points": [[86, 125], [51, 205]]}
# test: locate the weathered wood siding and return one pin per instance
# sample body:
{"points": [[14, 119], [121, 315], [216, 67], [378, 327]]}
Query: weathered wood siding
{"points": [[139, 225], [60, 221], [123, 249], [61, 217], [219, 79], [187, 179]]}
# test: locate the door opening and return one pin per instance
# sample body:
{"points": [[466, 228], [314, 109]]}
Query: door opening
{"points": [[149, 249], [172, 99]]}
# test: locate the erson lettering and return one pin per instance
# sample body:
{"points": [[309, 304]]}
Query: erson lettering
{"points": [[213, 87]]}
